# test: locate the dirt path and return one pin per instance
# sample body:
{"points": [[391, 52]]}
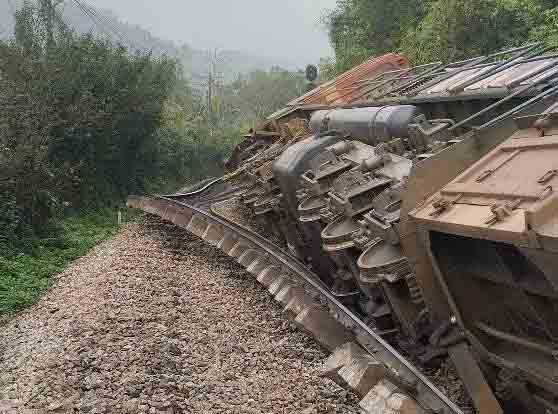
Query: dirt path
{"points": [[155, 321]]}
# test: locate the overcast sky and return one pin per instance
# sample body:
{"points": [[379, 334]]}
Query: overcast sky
{"points": [[272, 28]]}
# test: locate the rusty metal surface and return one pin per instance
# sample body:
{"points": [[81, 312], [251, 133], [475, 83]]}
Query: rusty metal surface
{"points": [[381, 80], [503, 71], [346, 87]]}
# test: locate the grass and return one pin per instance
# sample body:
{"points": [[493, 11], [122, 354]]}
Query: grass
{"points": [[25, 276]]}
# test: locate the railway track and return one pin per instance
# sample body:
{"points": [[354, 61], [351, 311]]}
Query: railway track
{"points": [[360, 359]]}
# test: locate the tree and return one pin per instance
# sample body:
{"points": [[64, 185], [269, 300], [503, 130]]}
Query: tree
{"points": [[548, 30], [430, 30], [252, 97], [78, 121], [359, 29], [459, 29]]}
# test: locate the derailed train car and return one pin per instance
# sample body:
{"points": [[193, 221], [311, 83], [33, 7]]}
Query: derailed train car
{"points": [[425, 198], [489, 240]]}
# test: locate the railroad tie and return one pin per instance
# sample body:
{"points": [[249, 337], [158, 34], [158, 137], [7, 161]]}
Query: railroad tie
{"points": [[278, 284], [238, 249], [323, 327], [213, 234], [287, 293], [298, 303], [227, 242], [156, 206], [341, 357], [197, 225], [269, 275], [387, 398], [350, 365], [248, 257], [258, 265], [171, 212], [183, 219]]}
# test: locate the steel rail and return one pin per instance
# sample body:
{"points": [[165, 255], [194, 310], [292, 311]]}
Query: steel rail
{"points": [[533, 101], [200, 190], [424, 391], [518, 92]]}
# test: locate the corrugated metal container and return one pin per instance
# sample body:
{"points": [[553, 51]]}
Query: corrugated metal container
{"points": [[500, 79]]}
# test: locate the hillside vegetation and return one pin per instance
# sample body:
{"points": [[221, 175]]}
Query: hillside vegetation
{"points": [[194, 60], [86, 122], [432, 30]]}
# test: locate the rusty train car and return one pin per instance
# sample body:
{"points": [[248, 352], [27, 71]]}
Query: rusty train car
{"points": [[425, 200], [425, 197]]}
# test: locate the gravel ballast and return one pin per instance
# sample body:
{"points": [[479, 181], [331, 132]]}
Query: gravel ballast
{"points": [[156, 321]]}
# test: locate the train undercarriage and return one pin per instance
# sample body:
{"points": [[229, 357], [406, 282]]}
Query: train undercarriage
{"points": [[424, 198]]}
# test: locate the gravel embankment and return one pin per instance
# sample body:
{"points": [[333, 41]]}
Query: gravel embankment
{"points": [[444, 376], [155, 321]]}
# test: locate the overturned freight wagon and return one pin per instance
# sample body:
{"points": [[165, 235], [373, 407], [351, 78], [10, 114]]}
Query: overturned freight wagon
{"points": [[422, 201]]}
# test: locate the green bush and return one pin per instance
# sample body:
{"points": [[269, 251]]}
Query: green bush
{"points": [[431, 30], [26, 273], [79, 122], [84, 123]]}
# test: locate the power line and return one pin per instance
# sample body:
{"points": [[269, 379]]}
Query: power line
{"points": [[96, 22], [103, 24], [106, 21], [100, 21], [115, 28]]}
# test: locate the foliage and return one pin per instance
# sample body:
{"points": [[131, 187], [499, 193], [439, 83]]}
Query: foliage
{"points": [[328, 69], [456, 30], [252, 97], [430, 30], [359, 29], [197, 138], [26, 274], [548, 30], [84, 123], [192, 153], [78, 122]]}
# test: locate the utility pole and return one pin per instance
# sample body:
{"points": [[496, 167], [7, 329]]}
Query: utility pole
{"points": [[213, 63], [214, 60], [210, 80], [50, 18], [210, 92], [46, 9]]}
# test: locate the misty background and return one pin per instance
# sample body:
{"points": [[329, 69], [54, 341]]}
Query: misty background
{"points": [[287, 30], [247, 34]]}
